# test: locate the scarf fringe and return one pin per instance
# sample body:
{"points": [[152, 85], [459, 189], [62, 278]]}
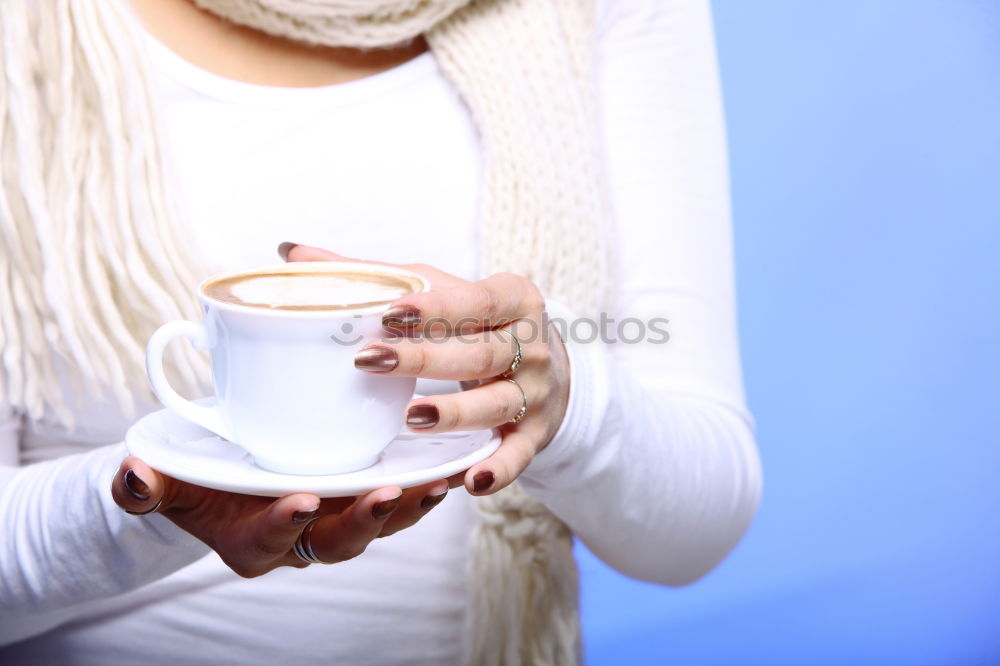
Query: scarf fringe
{"points": [[94, 260], [523, 585]]}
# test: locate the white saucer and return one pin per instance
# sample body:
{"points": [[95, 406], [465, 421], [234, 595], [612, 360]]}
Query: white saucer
{"points": [[181, 449]]}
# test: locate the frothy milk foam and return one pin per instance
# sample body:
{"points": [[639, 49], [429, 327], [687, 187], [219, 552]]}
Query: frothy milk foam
{"points": [[311, 290]]}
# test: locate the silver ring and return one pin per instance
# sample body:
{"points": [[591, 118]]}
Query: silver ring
{"points": [[147, 511], [524, 403], [517, 353], [303, 545]]}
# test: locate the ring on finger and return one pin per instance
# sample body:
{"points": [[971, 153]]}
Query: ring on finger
{"points": [[524, 403], [506, 374], [147, 511], [303, 545]]}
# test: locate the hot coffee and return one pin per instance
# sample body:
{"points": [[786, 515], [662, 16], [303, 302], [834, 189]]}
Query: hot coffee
{"points": [[311, 290]]}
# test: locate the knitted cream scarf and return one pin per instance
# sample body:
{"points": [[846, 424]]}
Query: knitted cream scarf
{"points": [[93, 259]]}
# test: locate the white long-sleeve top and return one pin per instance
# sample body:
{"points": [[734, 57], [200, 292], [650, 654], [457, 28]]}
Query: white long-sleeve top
{"points": [[654, 468]]}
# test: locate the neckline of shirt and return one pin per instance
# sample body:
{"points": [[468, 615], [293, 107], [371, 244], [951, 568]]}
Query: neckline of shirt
{"points": [[219, 87]]}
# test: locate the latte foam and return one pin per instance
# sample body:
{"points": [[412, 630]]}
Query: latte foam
{"points": [[311, 290]]}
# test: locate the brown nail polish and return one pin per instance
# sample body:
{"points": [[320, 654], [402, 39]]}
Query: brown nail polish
{"points": [[482, 481], [401, 317], [376, 359], [136, 486], [432, 501], [304, 516], [383, 509], [285, 248], [422, 416]]}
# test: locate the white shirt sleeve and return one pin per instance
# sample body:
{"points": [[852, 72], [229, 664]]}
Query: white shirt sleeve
{"points": [[655, 466], [10, 433], [64, 543]]}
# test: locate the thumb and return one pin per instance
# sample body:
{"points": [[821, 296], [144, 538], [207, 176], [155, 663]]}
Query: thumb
{"points": [[138, 488], [295, 252]]}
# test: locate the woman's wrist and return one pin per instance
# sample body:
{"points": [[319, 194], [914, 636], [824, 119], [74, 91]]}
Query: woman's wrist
{"points": [[586, 402]]}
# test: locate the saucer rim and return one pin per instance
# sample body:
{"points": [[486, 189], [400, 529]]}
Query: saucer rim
{"points": [[345, 484]]}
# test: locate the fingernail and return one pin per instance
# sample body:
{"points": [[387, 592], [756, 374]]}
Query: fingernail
{"points": [[304, 516], [432, 501], [136, 486], [482, 481], [401, 317], [422, 416], [383, 509], [284, 249], [376, 359]]}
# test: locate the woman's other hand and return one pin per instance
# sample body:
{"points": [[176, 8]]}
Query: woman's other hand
{"points": [[470, 331], [254, 535]]}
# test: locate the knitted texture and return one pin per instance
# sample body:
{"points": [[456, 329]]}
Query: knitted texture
{"points": [[355, 23], [522, 67], [82, 182]]}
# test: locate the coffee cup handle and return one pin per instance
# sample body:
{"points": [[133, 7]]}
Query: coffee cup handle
{"points": [[207, 417]]}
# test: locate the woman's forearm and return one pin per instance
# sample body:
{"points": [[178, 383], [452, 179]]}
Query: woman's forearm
{"points": [[659, 484], [64, 543]]}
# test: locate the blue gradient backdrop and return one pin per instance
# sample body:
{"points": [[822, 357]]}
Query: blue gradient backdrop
{"points": [[865, 148]]}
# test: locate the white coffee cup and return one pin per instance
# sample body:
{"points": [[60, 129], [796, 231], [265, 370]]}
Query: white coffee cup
{"points": [[285, 384]]}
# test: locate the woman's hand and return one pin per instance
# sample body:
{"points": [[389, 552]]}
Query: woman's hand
{"points": [[254, 535], [465, 331]]}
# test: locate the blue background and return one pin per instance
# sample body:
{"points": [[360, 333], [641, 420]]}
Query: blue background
{"points": [[865, 150]]}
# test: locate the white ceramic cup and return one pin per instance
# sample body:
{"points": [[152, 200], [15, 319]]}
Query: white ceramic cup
{"points": [[285, 384]]}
